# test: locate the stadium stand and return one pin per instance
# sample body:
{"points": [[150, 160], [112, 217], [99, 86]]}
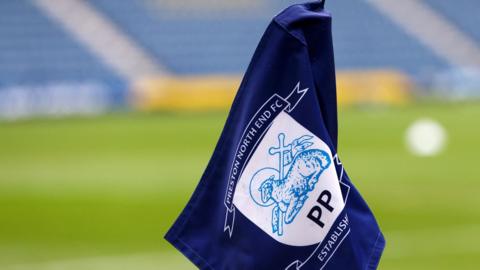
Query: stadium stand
{"points": [[463, 13], [44, 71], [199, 42], [222, 42], [35, 50], [364, 38]]}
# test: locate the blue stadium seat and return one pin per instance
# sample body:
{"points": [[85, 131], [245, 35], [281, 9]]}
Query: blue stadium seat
{"points": [[36, 50], [465, 14], [202, 37], [189, 42], [211, 39], [365, 38]]}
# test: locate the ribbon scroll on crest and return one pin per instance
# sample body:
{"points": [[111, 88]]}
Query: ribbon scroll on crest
{"points": [[253, 132]]}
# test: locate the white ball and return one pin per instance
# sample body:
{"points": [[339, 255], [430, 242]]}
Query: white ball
{"points": [[425, 137]]}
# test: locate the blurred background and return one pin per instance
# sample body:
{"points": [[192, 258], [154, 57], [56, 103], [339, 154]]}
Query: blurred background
{"points": [[100, 101]]}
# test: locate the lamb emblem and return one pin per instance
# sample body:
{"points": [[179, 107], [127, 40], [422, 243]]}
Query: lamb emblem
{"points": [[287, 187]]}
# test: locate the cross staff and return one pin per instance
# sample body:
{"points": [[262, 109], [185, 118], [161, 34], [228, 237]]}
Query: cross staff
{"points": [[281, 150]]}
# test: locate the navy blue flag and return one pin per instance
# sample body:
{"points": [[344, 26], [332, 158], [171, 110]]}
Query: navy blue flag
{"points": [[275, 194]]}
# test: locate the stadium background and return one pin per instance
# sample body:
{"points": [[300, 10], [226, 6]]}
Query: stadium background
{"points": [[110, 110]]}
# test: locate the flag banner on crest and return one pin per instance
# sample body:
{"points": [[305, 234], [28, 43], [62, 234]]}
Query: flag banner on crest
{"points": [[275, 194]]}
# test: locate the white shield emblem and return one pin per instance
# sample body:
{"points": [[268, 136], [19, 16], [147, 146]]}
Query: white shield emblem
{"points": [[289, 187]]}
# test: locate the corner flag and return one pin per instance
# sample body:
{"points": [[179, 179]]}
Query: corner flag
{"points": [[275, 194]]}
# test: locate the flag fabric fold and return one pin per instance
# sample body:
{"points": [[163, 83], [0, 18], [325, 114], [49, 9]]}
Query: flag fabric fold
{"points": [[275, 194]]}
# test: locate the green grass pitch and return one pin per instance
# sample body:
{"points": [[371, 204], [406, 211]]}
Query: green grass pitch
{"points": [[100, 192]]}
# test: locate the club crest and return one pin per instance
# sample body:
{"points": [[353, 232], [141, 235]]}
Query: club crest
{"points": [[289, 187]]}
